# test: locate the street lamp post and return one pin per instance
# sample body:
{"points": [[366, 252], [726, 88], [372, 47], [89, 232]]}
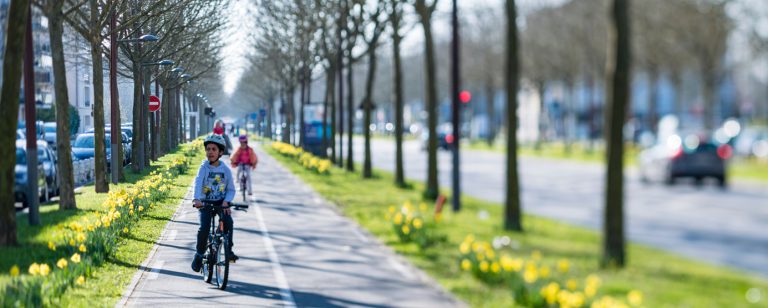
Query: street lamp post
{"points": [[144, 115], [115, 118]]}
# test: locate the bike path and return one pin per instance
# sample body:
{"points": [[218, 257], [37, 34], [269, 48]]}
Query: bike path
{"points": [[295, 250]]}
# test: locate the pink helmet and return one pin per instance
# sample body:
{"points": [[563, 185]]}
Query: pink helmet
{"points": [[243, 138]]}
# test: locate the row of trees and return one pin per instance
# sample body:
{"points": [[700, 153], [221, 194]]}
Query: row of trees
{"points": [[187, 31], [298, 40]]}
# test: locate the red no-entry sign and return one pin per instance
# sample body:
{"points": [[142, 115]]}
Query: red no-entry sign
{"points": [[154, 103]]}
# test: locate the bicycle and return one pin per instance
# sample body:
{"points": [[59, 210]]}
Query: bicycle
{"points": [[215, 261], [243, 179]]}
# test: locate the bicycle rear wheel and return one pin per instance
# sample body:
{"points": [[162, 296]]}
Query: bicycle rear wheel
{"points": [[222, 265], [208, 262]]}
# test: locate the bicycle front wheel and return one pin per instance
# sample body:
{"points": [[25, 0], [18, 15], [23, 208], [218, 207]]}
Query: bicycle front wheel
{"points": [[222, 265]]}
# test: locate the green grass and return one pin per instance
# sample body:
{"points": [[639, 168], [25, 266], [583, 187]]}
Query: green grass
{"points": [[665, 279], [104, 288]]}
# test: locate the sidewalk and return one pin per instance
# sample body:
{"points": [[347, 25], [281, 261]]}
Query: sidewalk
{"points": [[295, 251]]}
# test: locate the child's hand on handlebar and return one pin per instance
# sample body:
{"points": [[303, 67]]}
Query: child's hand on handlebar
{"points": [[227, 210], [197, 204]]}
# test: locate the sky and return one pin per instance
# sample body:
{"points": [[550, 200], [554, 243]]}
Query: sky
{"points": [[237, 41]]}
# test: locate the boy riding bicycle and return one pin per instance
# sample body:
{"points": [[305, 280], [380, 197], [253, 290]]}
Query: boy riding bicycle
{"points": [[245, 156], [213, 182]]}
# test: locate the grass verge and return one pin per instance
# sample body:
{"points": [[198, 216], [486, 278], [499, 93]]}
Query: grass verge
{"points": [[665, 279], [107, 282]]}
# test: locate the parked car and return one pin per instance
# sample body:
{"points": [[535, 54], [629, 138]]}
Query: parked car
{"points": [[444, 137], [50, 164], [125, 140], [685, 155], [84, 147], [21, 177], [50, 133]]}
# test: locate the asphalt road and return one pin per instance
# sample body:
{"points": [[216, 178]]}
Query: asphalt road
{"points": [[295, 251], [706, 223]]}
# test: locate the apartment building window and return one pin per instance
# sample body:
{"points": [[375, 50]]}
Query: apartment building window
{"points": [[87, 95]]}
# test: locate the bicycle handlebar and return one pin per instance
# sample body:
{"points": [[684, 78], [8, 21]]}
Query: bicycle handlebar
{"points": [[218, 204]]}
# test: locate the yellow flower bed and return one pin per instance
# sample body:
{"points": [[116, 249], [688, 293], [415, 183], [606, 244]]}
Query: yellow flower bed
{"points": [[88, 242], [412, 224], [536, 283], [306, 159]]}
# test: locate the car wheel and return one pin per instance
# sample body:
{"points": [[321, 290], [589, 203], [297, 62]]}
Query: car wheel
{"points": [[670, 180], [721, 182]]}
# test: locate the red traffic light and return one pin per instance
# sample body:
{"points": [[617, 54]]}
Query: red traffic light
{"points": [[465, 96]]}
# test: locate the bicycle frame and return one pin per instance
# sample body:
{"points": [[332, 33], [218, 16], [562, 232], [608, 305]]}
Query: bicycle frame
{"points": [[215, 260]]}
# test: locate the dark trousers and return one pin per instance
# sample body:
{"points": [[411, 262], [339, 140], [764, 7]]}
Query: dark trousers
{"points": [[205, 229]]}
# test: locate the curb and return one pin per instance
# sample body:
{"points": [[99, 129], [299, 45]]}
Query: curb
{"points": [[143, 269]]}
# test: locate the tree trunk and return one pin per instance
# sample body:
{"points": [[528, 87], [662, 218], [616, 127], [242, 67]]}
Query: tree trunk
{"points": [[512, 209], [568, 117], [164, 128], [102, 184], [340, 97], [653, 106], [350, 113], [302, 105], [677, 82], [367, 109], [710, 100], [329, 139], [618, 74], [63, 145], [540, 86], [18, 12], [399, 168], [136, 144], [490, 110], [147, 80], [432, 189]]}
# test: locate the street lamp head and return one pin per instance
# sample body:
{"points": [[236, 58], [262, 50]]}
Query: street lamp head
{"points": [[177, 69], [185, 76], [166, 62], [148, 38]]}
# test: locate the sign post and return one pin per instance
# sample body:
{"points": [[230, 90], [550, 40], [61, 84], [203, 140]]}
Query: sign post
{"points": [[154, 103]]}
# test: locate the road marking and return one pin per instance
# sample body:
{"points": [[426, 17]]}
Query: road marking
{"points": [[360, 235], [158, 266], [400, 268], [277, 269], [172, 236]]}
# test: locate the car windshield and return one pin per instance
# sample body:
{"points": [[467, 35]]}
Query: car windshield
{"points": [[41, 155], [21, 157], [127, 132], [50, 129], [86, 141]]}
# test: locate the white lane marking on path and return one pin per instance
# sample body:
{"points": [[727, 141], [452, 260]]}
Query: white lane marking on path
{"points": [[400, 268], [359, 235], [172, 236], [277, 269], [156, 268]]}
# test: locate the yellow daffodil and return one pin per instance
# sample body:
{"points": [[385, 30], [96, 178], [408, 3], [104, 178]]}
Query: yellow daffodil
{"points": [[62, 263], [536, 255], [635, 298], [125, 230], [51, 246], [80, 280], [423, 207], [82, 248], [593, 280], [466, 264], [34, 269], [72, 242], [14, 271], [130, 213], [490, 253], [572, 284], [81, 237], [530, 275], [563, 265], [549, 292], [406, 230], [392, 209], [480, 256], [464, 248], [484, 266], [141, 208], [544, 272], [44, 269], [75, 258], [590, 290], [517, 264], [398, 219], [417, 223], [495, 268]]}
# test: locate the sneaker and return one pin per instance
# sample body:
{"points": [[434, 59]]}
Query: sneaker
{"points": [[232, 257], [250, 194], [197, 262]]}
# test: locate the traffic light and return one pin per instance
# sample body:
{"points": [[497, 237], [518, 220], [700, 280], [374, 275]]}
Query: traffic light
{"points": [[465, 96]]}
